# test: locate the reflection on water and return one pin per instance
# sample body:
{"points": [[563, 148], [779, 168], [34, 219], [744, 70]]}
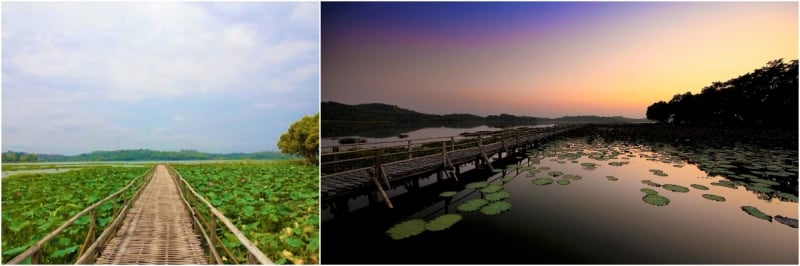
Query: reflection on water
{"points": [[591, 220], [423, 133]]}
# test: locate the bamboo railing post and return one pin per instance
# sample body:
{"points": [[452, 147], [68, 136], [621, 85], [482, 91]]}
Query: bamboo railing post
{"points": [[453, 142], [410, 154], [212, 230], [36, 256]]}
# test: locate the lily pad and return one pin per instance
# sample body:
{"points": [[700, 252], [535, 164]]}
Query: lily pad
{"points": [[497, 196], [443, 222], [675, 188], [787, 196], [448, 194], [700, 187], [589, 166], [618, 163], [787, 221], [477, 185], [555, 173], [508, 178], [544, 168], [655, 199], [760, 189], [543, 181], [572, 177], [492, 188], [766, 182], [725, 183], [497, 170], [714, 197], [563, 182], [651, 183], [755, 212], [648, 191], [496, 207], [407, 229], [612, 178], [472, 205]]}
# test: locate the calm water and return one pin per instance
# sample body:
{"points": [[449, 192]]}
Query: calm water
{"points": [[591, 220]]}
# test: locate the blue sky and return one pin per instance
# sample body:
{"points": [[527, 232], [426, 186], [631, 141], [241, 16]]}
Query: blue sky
{"points": [[215, 77]]}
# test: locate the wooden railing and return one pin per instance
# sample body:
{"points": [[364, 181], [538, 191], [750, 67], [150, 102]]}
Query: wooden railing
{"points": [[207, 227], [88, 250], [335, 160]]}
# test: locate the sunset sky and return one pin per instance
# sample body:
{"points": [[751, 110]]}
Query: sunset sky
{"points": [[546, 59]]}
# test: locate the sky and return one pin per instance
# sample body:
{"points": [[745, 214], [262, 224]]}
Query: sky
{"points": [[210, 76], [544, 59]]}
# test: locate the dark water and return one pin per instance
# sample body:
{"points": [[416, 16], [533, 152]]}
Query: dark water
{"points": [[591, 220]]}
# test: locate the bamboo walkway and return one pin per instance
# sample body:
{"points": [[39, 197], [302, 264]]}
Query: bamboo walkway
{"points": [[157, 230]]}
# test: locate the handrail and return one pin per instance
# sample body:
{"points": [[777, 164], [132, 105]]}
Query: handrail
{"points": [[255, 256], [34, 252]]}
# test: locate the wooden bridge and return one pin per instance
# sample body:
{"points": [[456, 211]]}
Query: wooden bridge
{"points": [[161, 220], [347, 173]]}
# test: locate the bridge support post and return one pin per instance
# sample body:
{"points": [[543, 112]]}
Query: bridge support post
{"points": [[379, 172], [410, 151]]}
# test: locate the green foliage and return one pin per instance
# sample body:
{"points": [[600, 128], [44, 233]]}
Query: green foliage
{"points": [[700, 187], [496, 207], [655, 199], [563, 182], [543, 181], [755, 212], [407, 229], [649, 191], [448, 194], [472, 205], [35, 204], [275, 204], [443, 222], [497, 196], [477, 185], [675, 188], [714, 197], [492, 188], [19, 157], [612, 178], [302, 138]]}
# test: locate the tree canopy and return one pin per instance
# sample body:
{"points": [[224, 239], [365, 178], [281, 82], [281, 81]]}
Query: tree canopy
{"points": [[302, 138], [766, 97]]}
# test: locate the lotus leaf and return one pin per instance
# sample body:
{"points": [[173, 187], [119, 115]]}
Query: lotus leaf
{"points": [[787, 196], [612, 178], [443, 222], [472, 205], [508, 178], [555, 173], [725, 183], [544, 168], [543, 181], [572, 177], [700, 187], [760, 189], [492, 188], [477, 185], [675, 188], [649, 191], [448, 194], [496, 208], [407, 229], [714, 197], [655, 199], [651, 183], [497, 196], [497, 170], [764, 181], [563, 182], [755, 212]]}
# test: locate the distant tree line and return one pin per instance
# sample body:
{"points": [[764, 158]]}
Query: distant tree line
{"points": [[140, 155], [19, 157], [766, 97]]}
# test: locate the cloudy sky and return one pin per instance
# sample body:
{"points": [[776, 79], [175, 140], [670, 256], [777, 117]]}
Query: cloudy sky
{"points": [[214, 77], [546, 59]]}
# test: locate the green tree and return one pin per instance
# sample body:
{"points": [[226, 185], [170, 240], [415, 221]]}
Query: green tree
{"points": [[302, 139]]}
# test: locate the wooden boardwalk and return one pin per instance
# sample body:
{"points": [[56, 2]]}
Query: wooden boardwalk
{"points": [[157, 230], [341, 184]]}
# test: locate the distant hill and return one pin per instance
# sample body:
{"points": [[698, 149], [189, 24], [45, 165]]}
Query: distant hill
{"points": [[333, 112], [140, 155]]}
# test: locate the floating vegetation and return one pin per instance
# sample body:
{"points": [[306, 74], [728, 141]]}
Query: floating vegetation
{"points": [[563, 182], [406, 229], [700, 187], [472, 205], [572, 177], [618, 163], [544, 168], [508, 178], [612, 178], [498, 170], [675, 188], [543, 181], [648, 191], [497, 196], [760, 189], [443, 222], [555, 173], [658, 172], [589, 166], [787, 196], [496, 208], [477, 185], [677, 165], [755, 212], [714, 197], [764, 181], [651, 183], [448, 194], [787, 221], [725, 183], [492, 188], [655, 199]]}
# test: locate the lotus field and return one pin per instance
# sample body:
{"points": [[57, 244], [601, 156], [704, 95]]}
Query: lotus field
{"points": [[275, 204], [36, 204]]}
